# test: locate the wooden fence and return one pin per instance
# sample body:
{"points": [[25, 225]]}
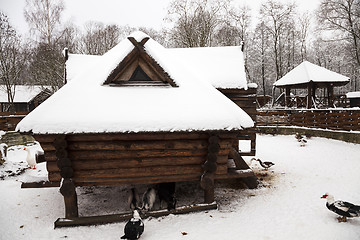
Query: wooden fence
{"points": [[348, 120], [8, 121]]}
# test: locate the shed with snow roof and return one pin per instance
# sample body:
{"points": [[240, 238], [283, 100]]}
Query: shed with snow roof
{"points": [[354, 98], [310, 76], [138, 115], [25, 98]]}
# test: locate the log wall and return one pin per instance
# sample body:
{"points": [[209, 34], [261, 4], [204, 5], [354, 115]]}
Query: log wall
{"points": [[246, 100], [116, 159]]}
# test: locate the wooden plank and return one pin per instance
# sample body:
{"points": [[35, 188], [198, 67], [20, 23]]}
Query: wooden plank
{"points": [[140, 162], [95, 220], [42, 184], [236, 173], [137, 145], [129, 174], [93, 155]]}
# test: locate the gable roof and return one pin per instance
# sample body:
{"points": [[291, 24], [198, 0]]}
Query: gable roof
{"points": [[87, 105], [222, 67], [23, 93], [308, 72]]}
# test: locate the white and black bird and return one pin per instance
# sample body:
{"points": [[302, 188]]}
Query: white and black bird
{"points": [[134, 227], [301, 139], [265, 165], [30, 158], [134, 199], [148, 199], [344, 209]]}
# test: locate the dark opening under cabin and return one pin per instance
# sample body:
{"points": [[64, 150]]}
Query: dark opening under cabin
{"points": [[142, 114]]}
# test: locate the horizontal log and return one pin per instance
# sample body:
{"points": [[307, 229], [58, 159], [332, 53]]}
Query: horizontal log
{"points": [[126, 163], [92, 155], [137, 172], [49, 138], [42, 184], [94, 220], [137, 145]]}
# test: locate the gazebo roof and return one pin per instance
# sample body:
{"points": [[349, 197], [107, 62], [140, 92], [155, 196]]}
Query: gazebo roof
{"points": [[95, 102], [307, 72]]}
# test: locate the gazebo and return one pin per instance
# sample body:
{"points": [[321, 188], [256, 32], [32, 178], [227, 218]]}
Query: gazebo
{"points": [[310, 76]]}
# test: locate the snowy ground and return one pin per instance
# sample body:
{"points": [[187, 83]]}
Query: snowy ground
{"points": [[288, 206]]}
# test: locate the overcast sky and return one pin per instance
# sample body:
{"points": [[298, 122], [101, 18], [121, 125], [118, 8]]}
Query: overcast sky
{"points": [[135, 13]]}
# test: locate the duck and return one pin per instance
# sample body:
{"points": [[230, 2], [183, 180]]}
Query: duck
{"points": [[134, 227], [301, 139], [265, 165], [3, 150], [148, 199], [30, 158], [134, 199], [344, 209]]}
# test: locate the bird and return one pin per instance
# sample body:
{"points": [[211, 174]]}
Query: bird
{"points": [[344, 209], [30, 158], [134, 227], [148, 199], [301, 139], [166, 193], [134, 199], [265, 165], [3, 150]]}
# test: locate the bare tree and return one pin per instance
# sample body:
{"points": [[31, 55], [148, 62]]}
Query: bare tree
{"points": [[195, 21], [43, 17], [304, 23], [277, 18], [11, 59], [343, 18], [99, 38]]}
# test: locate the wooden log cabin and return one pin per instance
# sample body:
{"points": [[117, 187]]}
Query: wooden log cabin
{"points": [[140, 115]]}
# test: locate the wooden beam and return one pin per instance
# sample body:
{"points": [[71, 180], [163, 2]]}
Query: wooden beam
{"points": [[104, 219], [42, 184]]}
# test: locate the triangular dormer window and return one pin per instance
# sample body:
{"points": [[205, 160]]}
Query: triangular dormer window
{"points": [[139, 69], [139, 75]]}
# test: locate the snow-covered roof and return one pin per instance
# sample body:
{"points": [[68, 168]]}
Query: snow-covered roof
{"points": [[353, 94], [87, 105], [76, 63], [308, 72], [23, 93], [223, 67]]}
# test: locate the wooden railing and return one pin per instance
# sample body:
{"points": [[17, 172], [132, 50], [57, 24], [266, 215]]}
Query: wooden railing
{"points": [[348, 120]]}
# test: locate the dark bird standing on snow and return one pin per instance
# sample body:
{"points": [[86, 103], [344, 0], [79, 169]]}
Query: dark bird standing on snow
{"points": [[148, 199], [265, 165], [134, 227], [166, 192], [301, 139], [134, 199], [344, 209]]}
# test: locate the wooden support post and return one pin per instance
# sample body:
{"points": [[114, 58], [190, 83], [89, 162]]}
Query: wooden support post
{"points": [[309, 96], [287, 97], [210, 167], [330, 95], [240, 164], [67, 188]]}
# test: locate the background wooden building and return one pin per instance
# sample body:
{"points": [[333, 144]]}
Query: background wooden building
{"points": [[311, 77]]}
